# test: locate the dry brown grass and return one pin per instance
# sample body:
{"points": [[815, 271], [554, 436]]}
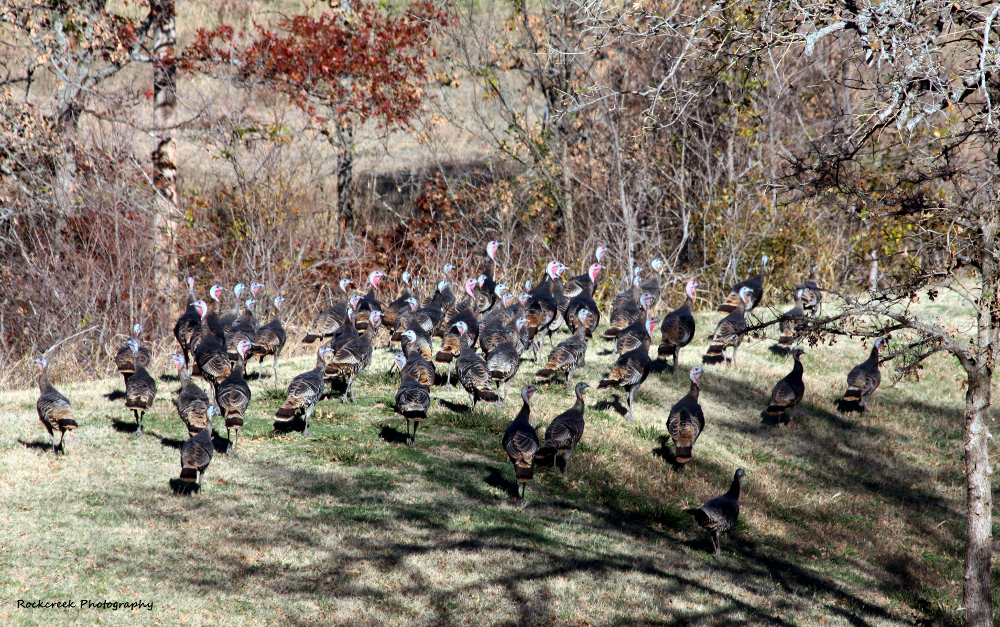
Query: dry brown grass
{"points": [[847, 520]]}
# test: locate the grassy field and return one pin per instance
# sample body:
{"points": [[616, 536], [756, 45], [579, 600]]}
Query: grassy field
{"points": [[847, 520]]}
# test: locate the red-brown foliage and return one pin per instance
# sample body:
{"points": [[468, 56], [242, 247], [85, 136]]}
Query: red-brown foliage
{"points": [[368, 64]]}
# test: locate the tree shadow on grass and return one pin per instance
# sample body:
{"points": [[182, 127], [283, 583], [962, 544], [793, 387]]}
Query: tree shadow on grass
{"points": [[368, 521]]}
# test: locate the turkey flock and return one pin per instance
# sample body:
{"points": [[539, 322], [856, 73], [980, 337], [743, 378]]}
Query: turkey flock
{"points": [[481, 341]]}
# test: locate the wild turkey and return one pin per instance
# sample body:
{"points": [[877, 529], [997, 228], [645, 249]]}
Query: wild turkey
{"points": [[624, 311], [255, 287], [269, 339], [504, 360], [415, 366], [211, 360], [370, 301], [140, 391], [402, 321], [519, 308], [677, 328], [864, 379], [493, 329], [730, 330], [812, 295], [519, 334], [352, 358], [628, 373], [227, 320], [686, 421], [473, 373], [719, 515], [632, 292], [486, 297], [126, 361], [211, 319], [568, 355], [559, 296], [192, 403], [304, 391], [197, 451], [391, 311], [542, 308], [639, 333], [413, 398], [787, 393], [756, 285], [584, 284], [576, 304], [651, 286], [329, 321], [416, 340], [188, 324], [431, 315], [54, 410], [348, 332], [520, 441], [792, 322], [232, 396], [243, 328], [448, 299], [450, 344], [564, 432]]}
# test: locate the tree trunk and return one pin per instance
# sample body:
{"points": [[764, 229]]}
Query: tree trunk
{"points": [[978, 600], [164, 156], [978, 597], [345, 176], [67, 124], [568, 213]]}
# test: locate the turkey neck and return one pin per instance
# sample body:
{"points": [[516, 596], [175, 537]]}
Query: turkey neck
{"points": [[557, 288], [545, 285], [734, 489], [873, 357], [797, 368], [43, 382], [694, 391], [578, 406], [524, 415]]}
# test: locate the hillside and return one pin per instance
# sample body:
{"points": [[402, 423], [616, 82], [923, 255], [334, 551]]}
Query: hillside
{"points": [[846, 520]]}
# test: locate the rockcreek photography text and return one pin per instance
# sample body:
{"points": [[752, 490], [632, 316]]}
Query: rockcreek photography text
{"points": [[86, 604]]}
